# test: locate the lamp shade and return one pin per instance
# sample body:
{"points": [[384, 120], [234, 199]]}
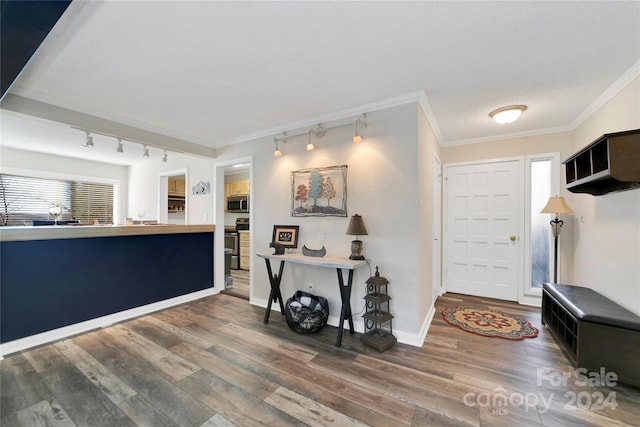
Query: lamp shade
{"points": [[356, 226], [557, 205]]}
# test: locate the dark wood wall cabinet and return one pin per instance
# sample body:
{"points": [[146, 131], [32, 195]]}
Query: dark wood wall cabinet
{"points": [[610, 163]]}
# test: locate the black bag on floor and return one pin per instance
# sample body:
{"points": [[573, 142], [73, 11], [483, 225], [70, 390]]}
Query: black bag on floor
{"points": [[306, 313]]}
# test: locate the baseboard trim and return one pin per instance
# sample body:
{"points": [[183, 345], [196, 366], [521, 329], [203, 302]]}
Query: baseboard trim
{"points": [[99, 322], [415, 340]]}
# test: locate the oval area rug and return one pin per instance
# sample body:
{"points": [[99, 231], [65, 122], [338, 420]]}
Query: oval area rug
{"points": [[489, 323]]}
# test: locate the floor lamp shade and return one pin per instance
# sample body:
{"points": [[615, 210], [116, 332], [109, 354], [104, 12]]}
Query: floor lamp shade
{"points": [[556, 206], [356, 228]]}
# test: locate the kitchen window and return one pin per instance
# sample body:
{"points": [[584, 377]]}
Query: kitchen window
{"points": [[24, 199]]}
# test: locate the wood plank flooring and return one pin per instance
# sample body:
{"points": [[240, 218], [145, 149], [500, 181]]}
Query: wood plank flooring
{"points": [[212, 362], [240, 286]]}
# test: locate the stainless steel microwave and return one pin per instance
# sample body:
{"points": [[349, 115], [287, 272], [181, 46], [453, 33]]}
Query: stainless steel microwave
{"points": [[238, 204]]}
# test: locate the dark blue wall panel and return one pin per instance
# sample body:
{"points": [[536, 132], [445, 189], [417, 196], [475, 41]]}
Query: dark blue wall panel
{"points": [[48, 284]]}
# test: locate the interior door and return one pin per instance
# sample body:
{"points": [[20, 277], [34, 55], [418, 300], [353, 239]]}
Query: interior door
{"points": [[483, 222]]}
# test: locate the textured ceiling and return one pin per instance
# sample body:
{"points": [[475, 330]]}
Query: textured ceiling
{"points": [[214, 73]]}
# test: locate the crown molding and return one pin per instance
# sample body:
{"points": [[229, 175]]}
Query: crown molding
{"points": [[348, 113], [502, 137], [431, 118], [617, 86]]}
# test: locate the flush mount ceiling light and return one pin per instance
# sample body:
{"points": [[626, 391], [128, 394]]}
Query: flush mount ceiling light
{"points": [[508, 114], [89, 142], [119, 149], [145, 151]]}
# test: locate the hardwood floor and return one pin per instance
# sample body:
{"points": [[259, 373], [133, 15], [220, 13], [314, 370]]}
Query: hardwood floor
{"points": [[240, 286], [212, 362]]}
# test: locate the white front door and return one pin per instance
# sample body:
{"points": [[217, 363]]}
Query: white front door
{"points": [[483, 225]]}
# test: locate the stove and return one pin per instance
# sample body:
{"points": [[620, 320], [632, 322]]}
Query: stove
{"points": [[232, 240]]}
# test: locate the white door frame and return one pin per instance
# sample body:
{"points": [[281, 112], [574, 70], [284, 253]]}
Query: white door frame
{"points": [[218, 240], [520, 213], [436, 254]]}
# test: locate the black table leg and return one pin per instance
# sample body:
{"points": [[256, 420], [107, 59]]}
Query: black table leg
{"points": [[274, 295], [345, 309]]}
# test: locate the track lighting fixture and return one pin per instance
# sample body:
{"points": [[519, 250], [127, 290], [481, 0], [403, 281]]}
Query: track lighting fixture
{"points": [[276, 152], [89, 142], [319, 132], [120, 147], [310, 146]]}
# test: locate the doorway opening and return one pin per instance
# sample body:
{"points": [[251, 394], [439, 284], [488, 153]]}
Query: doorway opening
{"points": [[172, 197], [234, 243]]}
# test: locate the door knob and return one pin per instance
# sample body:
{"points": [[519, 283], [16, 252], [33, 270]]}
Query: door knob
{"points": [[512, 238]]}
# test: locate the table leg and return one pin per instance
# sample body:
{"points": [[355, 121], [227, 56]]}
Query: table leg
{"points": [[345, 309], [274, 295]]}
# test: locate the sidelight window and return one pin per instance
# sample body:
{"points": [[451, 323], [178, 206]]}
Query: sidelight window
{"points": [[543, 181]]}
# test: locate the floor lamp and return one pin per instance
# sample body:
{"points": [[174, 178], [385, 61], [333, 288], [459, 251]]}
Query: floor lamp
{"points": [[556, 205]]}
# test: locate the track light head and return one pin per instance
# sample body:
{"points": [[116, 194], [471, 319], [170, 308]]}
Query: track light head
{"points": [[89, 142], [357, 139], [120, 149], [319, 132], [145, 151], [310, 146], [276, 152], [164, 157]]}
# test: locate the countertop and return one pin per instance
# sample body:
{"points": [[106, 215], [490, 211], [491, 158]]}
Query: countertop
{"points": [[10, 234]]}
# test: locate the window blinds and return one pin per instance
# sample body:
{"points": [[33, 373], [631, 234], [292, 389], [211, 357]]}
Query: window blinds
{"points": [[24, 199]]}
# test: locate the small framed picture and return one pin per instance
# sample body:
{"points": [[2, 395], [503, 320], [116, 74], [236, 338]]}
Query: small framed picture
{"points": [[286, 235]]}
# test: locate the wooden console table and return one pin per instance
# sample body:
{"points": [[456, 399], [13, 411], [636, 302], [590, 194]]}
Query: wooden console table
{"points": [[329, 262]]}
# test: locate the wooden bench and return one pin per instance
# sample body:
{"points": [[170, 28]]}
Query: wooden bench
{"points": [[594, 331]]}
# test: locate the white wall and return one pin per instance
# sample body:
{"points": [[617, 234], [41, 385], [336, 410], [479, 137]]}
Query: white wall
{"points": [[607, 228], [383, 187], [48, 163], [428, 147], [144, 191]]}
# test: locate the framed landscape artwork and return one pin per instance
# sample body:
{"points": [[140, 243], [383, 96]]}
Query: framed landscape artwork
{"points": [[319, 191]]}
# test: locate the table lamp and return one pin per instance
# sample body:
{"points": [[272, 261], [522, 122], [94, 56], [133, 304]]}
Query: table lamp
{"points": [[556, 205], [356, 228]]}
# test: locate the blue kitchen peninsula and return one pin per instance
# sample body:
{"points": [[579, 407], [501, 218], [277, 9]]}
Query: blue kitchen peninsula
{"points": [[54, 278]]}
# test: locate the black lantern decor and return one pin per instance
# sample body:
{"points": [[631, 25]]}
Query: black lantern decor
{"points": [[378, 332]]}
